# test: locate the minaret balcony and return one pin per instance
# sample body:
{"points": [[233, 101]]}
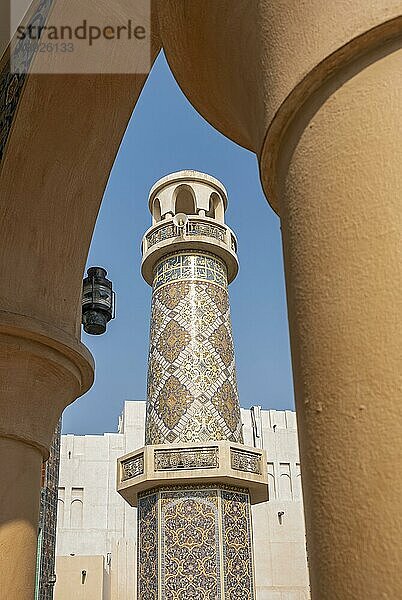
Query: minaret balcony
{"points": [[216, 462], [200, 233]]}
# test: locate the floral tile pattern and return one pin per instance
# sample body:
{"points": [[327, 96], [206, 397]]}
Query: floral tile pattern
{"points": [[226, 402], [190, 543], [221, 341], [237, 547], [172, 402], [205, 544], [147, 568], [173, 339]]}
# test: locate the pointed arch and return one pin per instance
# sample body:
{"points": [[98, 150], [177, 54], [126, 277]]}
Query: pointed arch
{"points": [[185, 200], [216, 209], [156, 211]]}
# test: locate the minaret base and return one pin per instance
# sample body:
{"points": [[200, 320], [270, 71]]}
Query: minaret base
{"points": [[194, 518], [195, 542]]}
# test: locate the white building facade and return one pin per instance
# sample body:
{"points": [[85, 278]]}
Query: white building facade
{"points": [[94, 521]]}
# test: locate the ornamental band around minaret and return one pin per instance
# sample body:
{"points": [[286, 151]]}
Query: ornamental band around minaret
{"points": [[194, 481]]}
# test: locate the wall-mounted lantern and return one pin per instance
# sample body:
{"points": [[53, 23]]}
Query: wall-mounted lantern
{"points": [[98, 301]]}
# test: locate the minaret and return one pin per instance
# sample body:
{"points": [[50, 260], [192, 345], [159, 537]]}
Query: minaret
{"points": [[194, 481]]}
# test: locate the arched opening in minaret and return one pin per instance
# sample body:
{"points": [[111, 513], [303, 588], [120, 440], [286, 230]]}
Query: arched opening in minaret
{"points": [[215, 210], [156, 211], [185, 201]]}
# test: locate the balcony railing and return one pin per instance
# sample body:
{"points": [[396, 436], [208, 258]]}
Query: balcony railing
{"points": [[195, 226]]}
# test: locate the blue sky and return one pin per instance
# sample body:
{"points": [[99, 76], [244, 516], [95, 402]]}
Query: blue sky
{"points": [[166, 134]]}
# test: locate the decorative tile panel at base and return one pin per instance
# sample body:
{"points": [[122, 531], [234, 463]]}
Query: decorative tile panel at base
{"points": [[195, 543], [237, 546], [190, 545], [147, 569]]}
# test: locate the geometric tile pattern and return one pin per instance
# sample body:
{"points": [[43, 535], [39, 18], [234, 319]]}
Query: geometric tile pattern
{"points": [[192, 390], [204, 538]]}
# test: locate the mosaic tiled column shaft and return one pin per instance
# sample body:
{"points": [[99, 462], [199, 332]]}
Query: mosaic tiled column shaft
{"points": [[193, 481], [192, 391]]}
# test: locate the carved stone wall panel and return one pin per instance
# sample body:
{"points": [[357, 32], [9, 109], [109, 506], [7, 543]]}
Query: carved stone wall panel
{"points": [[133, 467], [183, 458], [168, 231], [243, 460], [192, 389]]}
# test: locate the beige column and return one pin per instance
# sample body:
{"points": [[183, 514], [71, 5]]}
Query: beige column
{"points": [[340, 201], [314, 89], [19, 507], [52, 178], [41, 371]]}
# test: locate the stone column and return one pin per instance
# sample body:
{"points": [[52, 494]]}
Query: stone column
{"points": [[314, 89], [40, 374], [19, 509], [339, 197], [194, 482]]}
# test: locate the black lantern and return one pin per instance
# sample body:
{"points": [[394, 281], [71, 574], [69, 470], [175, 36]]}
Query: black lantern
{"points": [[98, 302]]}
